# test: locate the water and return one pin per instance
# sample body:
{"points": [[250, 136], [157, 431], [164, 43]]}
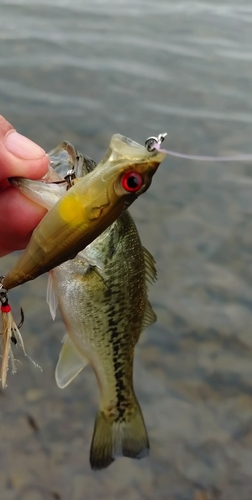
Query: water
{"points": [[83, 70]]}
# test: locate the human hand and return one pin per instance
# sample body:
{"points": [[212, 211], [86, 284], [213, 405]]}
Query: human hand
{"points": [[18, 216]]}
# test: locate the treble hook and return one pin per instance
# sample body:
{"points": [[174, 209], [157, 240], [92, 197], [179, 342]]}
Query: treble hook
{"points": [[69, 178], [22, 318]]}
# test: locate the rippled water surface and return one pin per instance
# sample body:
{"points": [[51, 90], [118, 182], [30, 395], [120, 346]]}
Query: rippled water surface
{"points": [[82, 70]]}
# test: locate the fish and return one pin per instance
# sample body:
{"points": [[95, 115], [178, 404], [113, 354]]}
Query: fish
{"points": [[87, 209], [103, 299]]}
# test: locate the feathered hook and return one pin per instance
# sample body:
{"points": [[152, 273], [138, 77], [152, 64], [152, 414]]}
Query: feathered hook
{"points": [[10, 335], [7, 333]]}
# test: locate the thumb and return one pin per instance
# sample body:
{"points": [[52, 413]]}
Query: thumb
{"points": [[19, 156]]}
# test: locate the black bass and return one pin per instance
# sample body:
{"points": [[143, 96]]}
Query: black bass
{"points": [[102, 295]]}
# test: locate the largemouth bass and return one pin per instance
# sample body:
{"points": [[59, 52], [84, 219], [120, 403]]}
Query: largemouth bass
{"points": [[102, 295], [87, 209]]}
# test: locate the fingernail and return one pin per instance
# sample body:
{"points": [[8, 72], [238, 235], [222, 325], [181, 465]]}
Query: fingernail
{"points": [[22, 148]]}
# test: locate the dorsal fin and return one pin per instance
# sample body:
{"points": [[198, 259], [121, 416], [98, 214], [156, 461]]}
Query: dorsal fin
{"points": [[150, 268], [149, 316], [70, 363]]}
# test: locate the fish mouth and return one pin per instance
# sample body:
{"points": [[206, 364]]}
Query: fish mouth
{"points": [[40, 191]]}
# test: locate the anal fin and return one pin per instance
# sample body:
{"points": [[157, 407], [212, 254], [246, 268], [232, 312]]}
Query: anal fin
{"points": [[70, 363]]}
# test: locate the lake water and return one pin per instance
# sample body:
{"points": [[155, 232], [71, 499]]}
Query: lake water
{"points": [[83, 70]]}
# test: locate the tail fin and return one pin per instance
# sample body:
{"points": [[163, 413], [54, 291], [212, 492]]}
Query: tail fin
{"points": [[124, 436]]}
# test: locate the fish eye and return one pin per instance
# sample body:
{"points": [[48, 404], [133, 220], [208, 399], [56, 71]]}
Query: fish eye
{"points": [[132, 181]]}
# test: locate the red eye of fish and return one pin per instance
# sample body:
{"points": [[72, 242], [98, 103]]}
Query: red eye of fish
{"points": [[132, 181]]}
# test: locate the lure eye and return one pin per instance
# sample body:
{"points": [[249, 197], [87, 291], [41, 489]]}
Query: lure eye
{"points": [[132, 181]]}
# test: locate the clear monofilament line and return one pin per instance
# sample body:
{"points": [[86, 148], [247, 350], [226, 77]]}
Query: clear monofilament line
{"points": [[155, 143], [204, 158]]}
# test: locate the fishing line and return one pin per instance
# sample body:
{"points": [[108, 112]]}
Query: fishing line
{"points": [[155, 143]]}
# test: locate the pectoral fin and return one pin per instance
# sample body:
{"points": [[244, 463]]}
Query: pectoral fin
{"points": [[70, 363], [86, 256]]}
